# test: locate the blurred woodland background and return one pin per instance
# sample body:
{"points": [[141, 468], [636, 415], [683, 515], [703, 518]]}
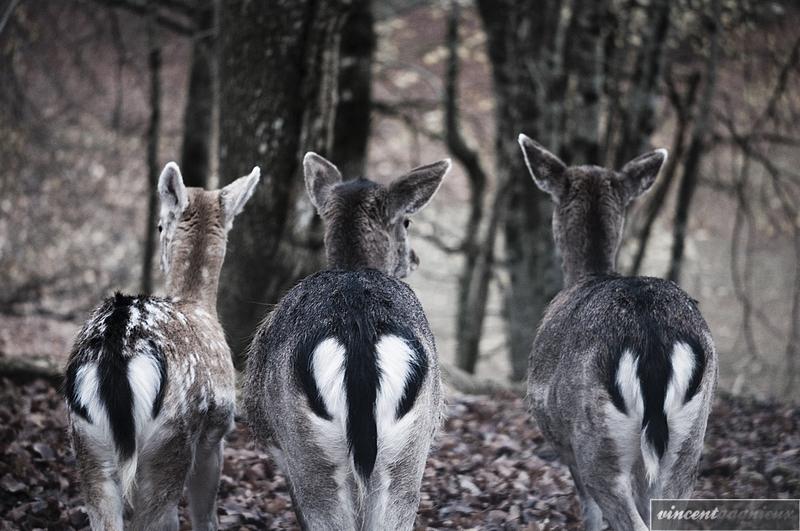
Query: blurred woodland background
{"points": [[97, 95]]}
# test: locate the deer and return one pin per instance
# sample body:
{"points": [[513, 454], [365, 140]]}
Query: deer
{"points": [[623, 370], [150, 383], [342, 381]]}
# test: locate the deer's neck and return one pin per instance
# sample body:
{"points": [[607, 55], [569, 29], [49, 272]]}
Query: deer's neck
{"points": [[580, 267], [350, 251], [194, 274]]}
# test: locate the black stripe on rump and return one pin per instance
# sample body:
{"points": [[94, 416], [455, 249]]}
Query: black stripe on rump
{"points": [[654, 370], [699, 368], [112, 374], [303, 368], [418, 368], [71, 391], [161, 360]]}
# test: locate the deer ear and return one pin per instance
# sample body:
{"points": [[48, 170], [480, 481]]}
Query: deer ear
{"points": [[235, 195], [547, 170], [320, 175], [639, 174], [172, 191], [411, 192]]}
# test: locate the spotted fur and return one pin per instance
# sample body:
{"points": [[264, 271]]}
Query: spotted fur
{"points": [[150, 384]]}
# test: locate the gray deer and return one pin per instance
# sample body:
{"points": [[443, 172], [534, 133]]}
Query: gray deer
{"points": [[623, 369], [342, 379], [150, 384]]}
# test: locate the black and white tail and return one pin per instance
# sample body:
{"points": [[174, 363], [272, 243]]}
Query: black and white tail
{"points": [[361, 386], [654, 394], [115, 384]]}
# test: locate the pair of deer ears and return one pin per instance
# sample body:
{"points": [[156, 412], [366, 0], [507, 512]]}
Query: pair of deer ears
{"points": [[174, 198], [406, 195], [550, 173]]}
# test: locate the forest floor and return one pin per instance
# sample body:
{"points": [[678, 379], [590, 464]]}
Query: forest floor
{"points": [[490, 468]]}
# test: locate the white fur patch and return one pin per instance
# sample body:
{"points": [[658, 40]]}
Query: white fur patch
{"points": [[629, 385], [327, 366], [634, 436], [682, 371], [87, 384], [145, 380], [680, 417], [394, 358]]}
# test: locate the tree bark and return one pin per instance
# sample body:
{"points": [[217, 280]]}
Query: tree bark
{"points": [[352, 126], [198, 114], [154, 63], [279, 66]]}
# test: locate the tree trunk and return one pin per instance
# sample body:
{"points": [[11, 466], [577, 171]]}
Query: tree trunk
{"points": [[279, 66], [351, 129], [522, 40], [583, 65], [197, 117], [154, 63], [697, 146]]}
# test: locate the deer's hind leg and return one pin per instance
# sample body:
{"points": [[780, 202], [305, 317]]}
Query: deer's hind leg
{"points": [[100, 484], [320, 485], [163, 467], [592, 515], [203, 481]]}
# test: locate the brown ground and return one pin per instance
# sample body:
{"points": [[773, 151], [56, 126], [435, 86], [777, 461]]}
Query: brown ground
{"points": [[490, 469]]}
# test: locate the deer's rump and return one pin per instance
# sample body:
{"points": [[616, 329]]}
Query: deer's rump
{"points": [[355, 349], [639, 344]]}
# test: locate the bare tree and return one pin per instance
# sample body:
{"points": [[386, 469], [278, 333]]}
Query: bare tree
{"points": [[683, 104], [478, 243], [154, 125], [697, 144]]}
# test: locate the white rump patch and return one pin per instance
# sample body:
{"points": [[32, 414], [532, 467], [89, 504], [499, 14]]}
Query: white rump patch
{"points": [[394, 357], [629, 386], [682, 371], [627, 429], [145, 380], [681, 418], [327, 366], [88, 386]]}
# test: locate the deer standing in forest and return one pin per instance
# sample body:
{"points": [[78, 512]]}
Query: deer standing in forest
{"points": [[342, 378], [623, 369], [150, 384]]}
